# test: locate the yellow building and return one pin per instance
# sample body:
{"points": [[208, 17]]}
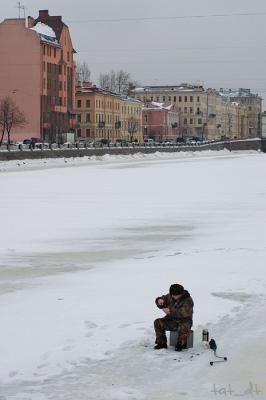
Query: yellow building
{"points": [[102, 114], [234, 122], [253, 105]]}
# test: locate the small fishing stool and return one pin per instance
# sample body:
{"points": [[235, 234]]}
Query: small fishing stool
{"points": [[174, 338]]}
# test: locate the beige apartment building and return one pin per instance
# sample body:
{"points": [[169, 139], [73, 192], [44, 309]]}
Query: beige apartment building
{"points": [[196, 106], [253, 105], [37, 71], [207, 113], [234, 120], [102, 114]]}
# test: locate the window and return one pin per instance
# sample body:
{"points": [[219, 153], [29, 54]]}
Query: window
{"points": [[54, 52], [174, 99], [79, 104], [185, 110], [158, 98], [198, 99], [198, 110], [185, 121], [145, 118], [191, 121], [191, 110], [169, 98], [180, 99], [88, 117], [185, 99], [191, 99], [88, 132], [79, 118], [88, 103], [79, 132], [163, 98], [199, 121]]}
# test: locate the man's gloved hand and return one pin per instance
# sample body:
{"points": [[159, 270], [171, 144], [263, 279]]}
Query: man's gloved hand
{"points": [[160, 303]]}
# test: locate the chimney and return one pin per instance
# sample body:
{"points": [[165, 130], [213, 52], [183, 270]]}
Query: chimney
{"points": [[43, 14], [30, 22], [56, 17]]}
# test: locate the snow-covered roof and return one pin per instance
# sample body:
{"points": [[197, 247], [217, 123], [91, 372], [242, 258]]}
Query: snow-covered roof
{"points": [[158, 106], [168, 88], [45, 32], [241, 92]]}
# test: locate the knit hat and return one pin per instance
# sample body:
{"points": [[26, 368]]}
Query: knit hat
{"points": [[176, 289]]}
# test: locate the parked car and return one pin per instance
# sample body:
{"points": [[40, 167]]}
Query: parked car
{"points": [[121, 142], [27, 141], [41, 145]]}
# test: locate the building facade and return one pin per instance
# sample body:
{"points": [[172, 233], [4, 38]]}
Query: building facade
{"points": [[196, 106], [209, 114], [263, 125], [102, 114], [253, 104], [160, 122], [38, 72], [234, 120]]}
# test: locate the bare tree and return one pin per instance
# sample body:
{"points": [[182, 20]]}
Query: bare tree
{"points": [[2, 124], [122, 81], [132, 128], [10, 117], [83, 73], [119, 82], [108, 81]]}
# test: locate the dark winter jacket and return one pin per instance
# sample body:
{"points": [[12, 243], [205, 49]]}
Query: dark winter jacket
{"points": [[181, 310]]}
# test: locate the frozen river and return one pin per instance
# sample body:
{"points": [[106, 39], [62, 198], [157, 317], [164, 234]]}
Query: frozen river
{"points": [[86, 246]]}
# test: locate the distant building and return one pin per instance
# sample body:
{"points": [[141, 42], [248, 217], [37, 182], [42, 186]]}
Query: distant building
{"points": [[207, 113], [102, 114], [38, 71], [196, 106], [234, 120], [263, 124], [253, 104], [160, 122]]}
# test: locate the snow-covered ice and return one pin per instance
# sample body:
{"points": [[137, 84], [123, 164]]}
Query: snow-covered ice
{"points": [[86, 246]]}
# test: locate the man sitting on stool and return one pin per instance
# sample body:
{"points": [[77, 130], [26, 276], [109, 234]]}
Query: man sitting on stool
{"points": [[178, 307]]}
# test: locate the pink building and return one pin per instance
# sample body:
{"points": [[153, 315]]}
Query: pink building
{"points": [[37, 71], [160, 122]]}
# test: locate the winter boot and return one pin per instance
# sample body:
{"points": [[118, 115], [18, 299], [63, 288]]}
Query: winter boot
{"points": [[160, 346], [180, 347]]}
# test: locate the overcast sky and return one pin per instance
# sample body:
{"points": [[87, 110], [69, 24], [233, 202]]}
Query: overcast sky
{"points": [[215, 51]]}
